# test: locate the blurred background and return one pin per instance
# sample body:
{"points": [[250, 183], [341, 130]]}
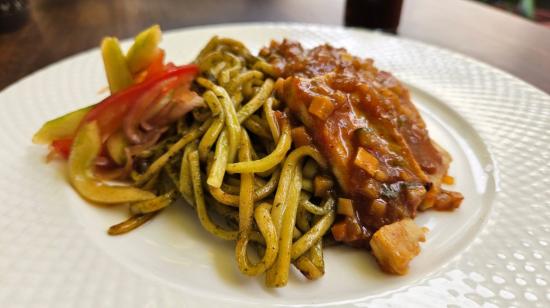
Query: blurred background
{"points": [[513, 35], [536, 10]]}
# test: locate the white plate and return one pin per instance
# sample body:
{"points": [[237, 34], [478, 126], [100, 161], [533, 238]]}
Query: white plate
{"points": [[492, 252]]}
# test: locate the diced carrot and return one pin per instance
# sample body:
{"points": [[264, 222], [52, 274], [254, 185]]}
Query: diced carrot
{"points": [[449, 180], [300, 136], [339, 230], [321, 107]]}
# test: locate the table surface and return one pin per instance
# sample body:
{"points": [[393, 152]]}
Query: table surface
{"points": [[60, 28]]}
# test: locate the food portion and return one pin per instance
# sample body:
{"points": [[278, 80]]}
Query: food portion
{"points": [[396, 244], [285, 152], [364, 123]]}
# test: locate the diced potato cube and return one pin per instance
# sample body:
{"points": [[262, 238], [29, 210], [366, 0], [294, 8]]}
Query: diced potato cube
{"points": [[366, 161], [378, 207], [371, 188], [321, 107], [345, 207]]}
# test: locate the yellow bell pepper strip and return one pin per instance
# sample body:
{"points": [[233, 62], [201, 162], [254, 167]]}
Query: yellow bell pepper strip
{"points": [[116, 68], [144, 50], [84, 151], [115, 147], [63, 127]]}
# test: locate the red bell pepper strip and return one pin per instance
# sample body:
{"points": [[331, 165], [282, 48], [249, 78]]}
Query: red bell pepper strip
{"points": [[110, 112], [62, 147], [156, 67]]}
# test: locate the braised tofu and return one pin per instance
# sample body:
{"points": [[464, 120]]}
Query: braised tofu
{"points": [[364, 123], [395, 245]]}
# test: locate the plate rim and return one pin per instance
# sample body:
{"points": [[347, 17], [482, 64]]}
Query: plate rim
{"points": [[518, 82]]}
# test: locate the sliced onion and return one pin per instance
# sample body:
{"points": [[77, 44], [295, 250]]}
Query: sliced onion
{"points": [[154, 110], [178, 107], [131, 121], [104, 172], [149, 140], [102, 161]]}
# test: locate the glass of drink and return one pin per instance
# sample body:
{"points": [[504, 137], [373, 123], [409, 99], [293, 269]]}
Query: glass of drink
{"points": [[13, 14], [374, 14]]}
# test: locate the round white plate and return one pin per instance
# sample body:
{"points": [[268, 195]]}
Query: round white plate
{"points": [[492, 252]]}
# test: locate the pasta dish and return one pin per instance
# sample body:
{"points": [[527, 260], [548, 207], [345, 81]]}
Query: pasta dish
{"points": [[284, 153]]}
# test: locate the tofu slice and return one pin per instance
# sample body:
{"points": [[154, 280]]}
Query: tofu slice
{"points": [[395, 245]]}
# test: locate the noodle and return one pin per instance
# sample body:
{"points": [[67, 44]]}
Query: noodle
{"points": [[233, 161], [198, 193], [240, 101], [267, 162], [231, 121]]}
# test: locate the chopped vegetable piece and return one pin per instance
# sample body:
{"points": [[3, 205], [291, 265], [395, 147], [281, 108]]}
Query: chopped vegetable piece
{"points": [[339, 230], [415, 193], [447, 200], [116, 69], [63, 127], [115, 147], [449, 180], [345, 207], [85, 149], [371, 188], [369, 163], [378, 207], [110, 112], [156, 67], [322, 185], [348, 230], [62, 147], [300, 137], [366, 137], [321, 107], [144, 50]]}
